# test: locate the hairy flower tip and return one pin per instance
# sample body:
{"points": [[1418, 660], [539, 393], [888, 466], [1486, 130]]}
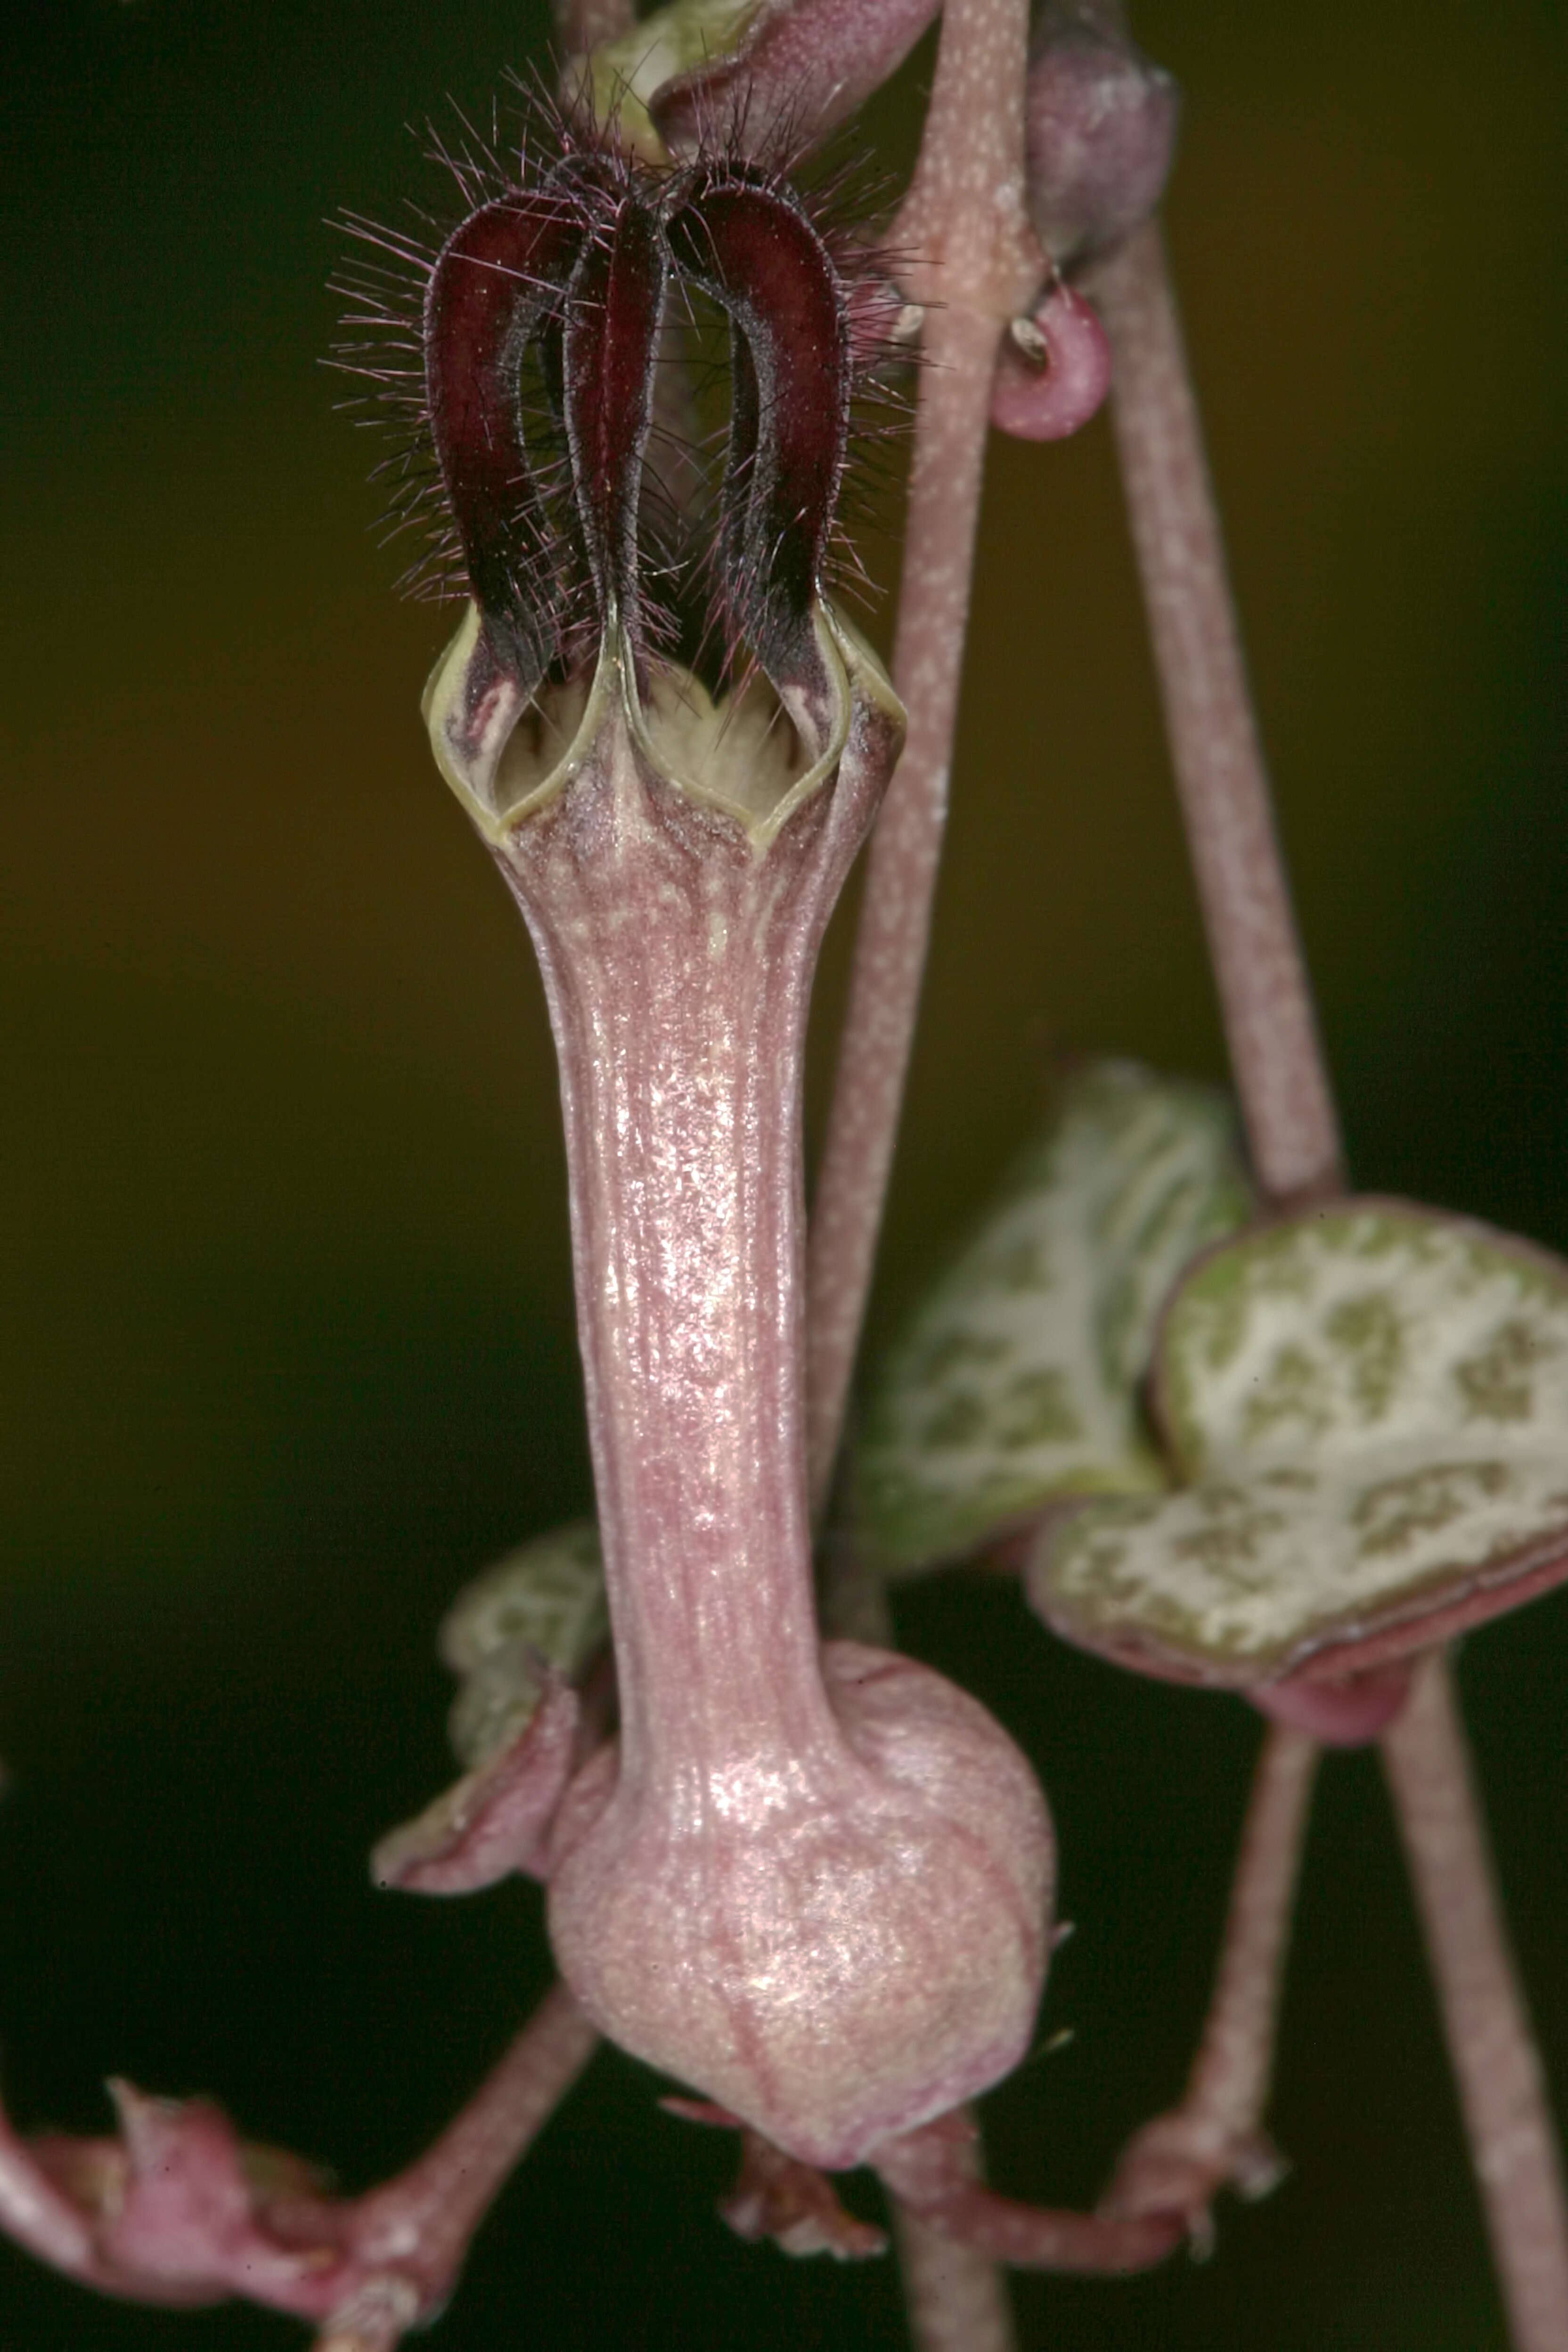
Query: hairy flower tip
{"points": [[591, 341], [1100, 129]]}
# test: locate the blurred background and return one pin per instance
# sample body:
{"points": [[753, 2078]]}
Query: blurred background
{"points": [[286, 1351]]}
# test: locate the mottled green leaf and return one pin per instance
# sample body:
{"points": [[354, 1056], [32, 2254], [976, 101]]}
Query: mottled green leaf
{"points": [[1368, 1408], [545, 1600], [1016, 1382]]}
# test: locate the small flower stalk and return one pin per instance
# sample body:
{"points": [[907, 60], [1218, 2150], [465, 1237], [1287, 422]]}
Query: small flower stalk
{"points": [[812, 1883]]}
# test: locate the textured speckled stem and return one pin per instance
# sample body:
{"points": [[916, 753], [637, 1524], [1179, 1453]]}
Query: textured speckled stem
{"points": [[956, 2297], [1293, 1131], [1491, 2044], [438, 2203], [184, 2223], [1214, 2139], [978, 268], [932, 2171], [1263, 989], [1229, 2082]]}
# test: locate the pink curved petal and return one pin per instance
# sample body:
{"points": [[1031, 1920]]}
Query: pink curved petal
{"points": [[1054, 372]]}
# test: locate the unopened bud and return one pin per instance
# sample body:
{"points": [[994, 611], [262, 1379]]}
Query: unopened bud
{"points": [[1102, 131]]}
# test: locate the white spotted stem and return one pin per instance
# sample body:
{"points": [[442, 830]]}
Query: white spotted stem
{"points": [[1214, 2139], [1495, 2064], [1263, 992], [1266, 1002], [979, 266]]}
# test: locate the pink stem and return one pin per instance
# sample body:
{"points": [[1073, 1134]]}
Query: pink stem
{"points": [[1214, 2139], [955, 2295], [167, 2213], [934, 2174], [430, 2213], [979, 269], [1290, 1121], [1493, 2053], [1229, 2082], [1263, 989]]}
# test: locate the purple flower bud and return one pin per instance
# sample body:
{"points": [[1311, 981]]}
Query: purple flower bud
{"points": [[1102, 131]]}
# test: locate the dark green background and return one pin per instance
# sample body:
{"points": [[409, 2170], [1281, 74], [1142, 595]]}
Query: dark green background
{"points": [[286, 1349]]}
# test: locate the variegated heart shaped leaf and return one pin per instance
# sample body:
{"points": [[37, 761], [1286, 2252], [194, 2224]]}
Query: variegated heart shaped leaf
{"points": [[1016, 1383], [541, 1605], [1367, 1407]]}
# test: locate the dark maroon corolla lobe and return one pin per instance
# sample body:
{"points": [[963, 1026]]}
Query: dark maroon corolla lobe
{"points": [[750, 246], [499, 278], [614, 312]]}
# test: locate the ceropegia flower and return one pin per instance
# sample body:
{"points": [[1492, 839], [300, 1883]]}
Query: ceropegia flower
{"points": [[813, 1885]]}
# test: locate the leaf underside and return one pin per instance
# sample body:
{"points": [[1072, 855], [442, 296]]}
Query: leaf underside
{"points": [[543, 1603]]}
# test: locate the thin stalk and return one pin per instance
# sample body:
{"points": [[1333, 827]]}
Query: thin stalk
{"points": [[933, 2172], [978, 268], [1491, 2045], [1288, 1109], [956, 2297], [168, 2214], [1230, 2077], [1215, 2137], [1265, 998], [438, 2203]]}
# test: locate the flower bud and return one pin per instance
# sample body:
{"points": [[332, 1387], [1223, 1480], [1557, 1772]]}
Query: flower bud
{"points": [[1100, 131]]}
